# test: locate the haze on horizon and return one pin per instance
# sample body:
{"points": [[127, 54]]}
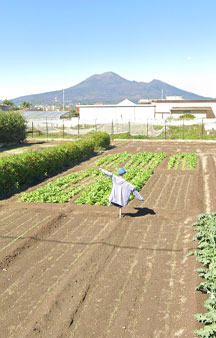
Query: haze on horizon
{"points": [[56, 44]]}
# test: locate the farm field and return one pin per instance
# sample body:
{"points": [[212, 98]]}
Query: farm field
{"points": [[73, 270]]}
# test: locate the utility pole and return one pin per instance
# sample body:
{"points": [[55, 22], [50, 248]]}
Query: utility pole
{"points": [[63, 99]]}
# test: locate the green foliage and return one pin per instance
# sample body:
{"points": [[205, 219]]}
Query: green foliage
{"points": [[60, 190], [191, 132], [12, 127], [188, 161], [101, 140], [33, 165], [187, 116], [139, 169], [127, 135], [25, 104], [206, 255], [8, 102], [138, 172]]}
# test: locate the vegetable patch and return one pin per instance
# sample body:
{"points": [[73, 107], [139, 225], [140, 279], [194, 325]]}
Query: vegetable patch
{"points": [[92, 191]]}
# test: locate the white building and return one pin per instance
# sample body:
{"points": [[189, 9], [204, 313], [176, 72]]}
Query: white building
{"points": [[175, 108], [122, 112]]}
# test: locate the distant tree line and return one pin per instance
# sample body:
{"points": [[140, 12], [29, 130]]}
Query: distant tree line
{"points": [[23, 105]]}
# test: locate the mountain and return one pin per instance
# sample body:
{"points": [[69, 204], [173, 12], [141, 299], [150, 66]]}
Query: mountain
{"points": [[108, 88]]}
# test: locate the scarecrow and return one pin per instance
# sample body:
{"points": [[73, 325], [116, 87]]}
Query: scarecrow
{"points": [[121, 190]]}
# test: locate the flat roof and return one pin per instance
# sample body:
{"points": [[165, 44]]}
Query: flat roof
{"points": [[112, 105], [191, 108], [43, 114], [183, 101]]}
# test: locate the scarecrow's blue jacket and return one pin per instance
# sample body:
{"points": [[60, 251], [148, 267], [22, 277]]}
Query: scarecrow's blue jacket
{"points": [[121, 190]]}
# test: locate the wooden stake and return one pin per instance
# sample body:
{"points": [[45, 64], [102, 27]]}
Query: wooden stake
{"points": [[120, 212]]}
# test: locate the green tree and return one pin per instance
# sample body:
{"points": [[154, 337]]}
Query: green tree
{"points": [[8, 102], [26, 104]]}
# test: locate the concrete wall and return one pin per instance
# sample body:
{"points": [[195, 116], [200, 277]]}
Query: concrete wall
{"points": [[108, 113]]}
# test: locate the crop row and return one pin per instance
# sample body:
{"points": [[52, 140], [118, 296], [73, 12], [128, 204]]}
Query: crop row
{"points": [[137, 174], [206, 255], [61, 190], [96, 191], [188, 161]]}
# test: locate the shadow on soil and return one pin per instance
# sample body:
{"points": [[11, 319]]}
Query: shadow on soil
{"points": [[20, 146], [140, 212]]}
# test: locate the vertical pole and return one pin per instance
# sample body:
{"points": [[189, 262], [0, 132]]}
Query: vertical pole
{"points": [[183, 129], [112, 128], [63, 100], [63, 128], [147, 128], [78, 128], [202, 128], [129, 129], [165, 136], [47, 128], [32, 130], [120, 212]]}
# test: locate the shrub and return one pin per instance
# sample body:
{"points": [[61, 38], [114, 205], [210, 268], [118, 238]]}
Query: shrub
{"points": [[12, 127], [33, 165], [187, 116], [101, 139]]}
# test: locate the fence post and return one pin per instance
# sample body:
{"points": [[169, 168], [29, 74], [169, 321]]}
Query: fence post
{"points": [[202, 129], [47, 128], [32, 130], [129, 127], [165, 136], [63, 129], [183, 129], [112, 128], [78, 129]]}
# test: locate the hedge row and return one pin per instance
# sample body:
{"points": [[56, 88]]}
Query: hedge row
{"points": [[12, 127], [35, 165]]}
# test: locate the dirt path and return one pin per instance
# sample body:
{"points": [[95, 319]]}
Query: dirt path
{"points": [[78, 271]]}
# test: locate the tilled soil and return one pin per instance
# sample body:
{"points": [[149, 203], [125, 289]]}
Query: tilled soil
{"points": [[79, 271]]}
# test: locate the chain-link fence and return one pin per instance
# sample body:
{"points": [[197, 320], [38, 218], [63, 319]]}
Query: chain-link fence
{"points": [[156, 129]]}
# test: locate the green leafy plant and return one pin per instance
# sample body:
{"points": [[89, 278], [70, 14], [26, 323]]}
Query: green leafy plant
{"points": [[139, 168], [206, 255], [188, 161]]}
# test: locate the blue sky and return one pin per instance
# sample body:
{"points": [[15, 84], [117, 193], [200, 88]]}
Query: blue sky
{"points": [[54, 44]]}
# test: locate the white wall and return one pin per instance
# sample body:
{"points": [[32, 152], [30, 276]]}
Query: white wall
{"points": [[106, 113]]}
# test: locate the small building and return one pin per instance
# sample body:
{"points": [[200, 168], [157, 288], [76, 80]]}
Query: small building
{"points": [[122, 112], [44, 115], [44, 118], [198, 112], [166, 108], [4, 107]]}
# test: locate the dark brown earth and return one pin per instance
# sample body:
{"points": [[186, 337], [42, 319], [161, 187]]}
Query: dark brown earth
{"points": [[79, 271]]}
